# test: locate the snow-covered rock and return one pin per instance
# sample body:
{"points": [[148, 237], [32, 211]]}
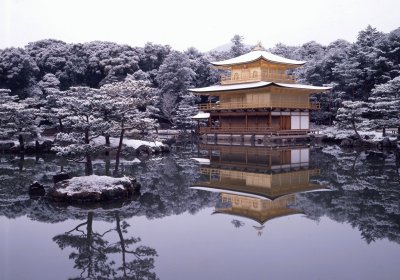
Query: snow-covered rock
{"points": [[93, 188]]}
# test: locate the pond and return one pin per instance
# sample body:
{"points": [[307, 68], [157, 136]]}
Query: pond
{"points": [[211, 212]]}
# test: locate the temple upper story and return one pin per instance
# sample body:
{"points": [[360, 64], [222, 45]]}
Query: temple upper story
{"points": [[258, 80], [257, 65]]}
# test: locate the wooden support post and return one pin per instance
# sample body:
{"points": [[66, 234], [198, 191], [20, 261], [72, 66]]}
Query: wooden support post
{"points": [[256, 122], [270, 119]]}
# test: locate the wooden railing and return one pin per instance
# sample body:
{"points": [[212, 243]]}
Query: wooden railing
{"points": [[217, 172], [264, 76], [244, 105], [254, 130]]}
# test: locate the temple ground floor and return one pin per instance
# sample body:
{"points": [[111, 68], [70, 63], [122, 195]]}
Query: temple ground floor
{"points": [[265, 128]]}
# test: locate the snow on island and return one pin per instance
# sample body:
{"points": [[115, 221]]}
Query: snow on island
{"points": [[139, 145], [93, 188]]}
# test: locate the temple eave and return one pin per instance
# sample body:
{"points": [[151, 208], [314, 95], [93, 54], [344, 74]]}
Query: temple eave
{"points": [[217, 90]]}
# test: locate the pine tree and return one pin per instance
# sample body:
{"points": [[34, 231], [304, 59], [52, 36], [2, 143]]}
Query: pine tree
{"points": [[182, 118], [125, 109], [384, 104], [83, 124], [350, 115], [19, 119], [174, 77]]}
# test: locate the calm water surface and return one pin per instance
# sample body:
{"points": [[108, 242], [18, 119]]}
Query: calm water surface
{"points": [[211, 213]]}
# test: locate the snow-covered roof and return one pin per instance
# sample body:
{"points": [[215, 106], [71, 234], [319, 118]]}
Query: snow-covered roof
{"points": [[201, 115], [256, 55], [230, 87], [218, 88], [302, 86]]}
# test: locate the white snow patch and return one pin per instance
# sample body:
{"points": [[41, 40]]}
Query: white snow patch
{"points": [[332, 150], [93, 183], [135, 160], [16, 143], [201, 115], [128, 142], [137, 143], [202, 160], [340, 134]]}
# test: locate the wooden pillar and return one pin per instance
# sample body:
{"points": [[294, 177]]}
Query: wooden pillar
{"points": [[270, 119], [270, 160], [256, 122], [247, 124]]}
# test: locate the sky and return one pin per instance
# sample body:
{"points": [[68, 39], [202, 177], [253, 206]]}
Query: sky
{"points": [[203, 24]]}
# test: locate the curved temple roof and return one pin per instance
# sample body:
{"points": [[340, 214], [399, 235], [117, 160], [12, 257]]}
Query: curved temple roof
{"points": [[219, 88], [256, 55]]}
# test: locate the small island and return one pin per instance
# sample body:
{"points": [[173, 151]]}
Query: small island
{"points": [[93, 188]]}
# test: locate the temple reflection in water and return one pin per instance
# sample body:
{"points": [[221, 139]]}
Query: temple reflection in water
{"points": [[257, 183]]}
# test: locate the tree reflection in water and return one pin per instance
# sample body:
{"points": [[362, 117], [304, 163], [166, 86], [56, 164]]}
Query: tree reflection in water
{"points": [[94, 254]]}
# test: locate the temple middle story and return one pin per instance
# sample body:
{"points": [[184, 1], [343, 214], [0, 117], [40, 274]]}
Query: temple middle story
{"points": [[257, 100]]}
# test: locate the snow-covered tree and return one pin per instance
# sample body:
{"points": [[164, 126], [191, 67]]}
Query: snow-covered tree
{"points": [[174, 77], [49, 82], [19, 119], [52, 111], [125, 108], [182, 117], [18, 71], [350, 115], [238, 48], [206, 74], [83, 124], [384, 104], [150, 59]]}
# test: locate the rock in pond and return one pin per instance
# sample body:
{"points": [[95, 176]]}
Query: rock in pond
{"points": [[346, 143], [93, 189], [36, 190], [60, 177]]}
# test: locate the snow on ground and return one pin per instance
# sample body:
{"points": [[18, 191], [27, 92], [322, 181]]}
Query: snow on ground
{"points": [[9, 141], [93, 183], [340, 134], [122, 161], [137, 143], [128, 142], [202, 160], [332, 150]]}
